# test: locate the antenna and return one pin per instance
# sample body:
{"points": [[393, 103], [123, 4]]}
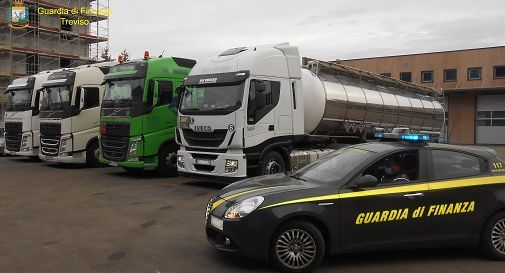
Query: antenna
{"points": [[161, 55]]}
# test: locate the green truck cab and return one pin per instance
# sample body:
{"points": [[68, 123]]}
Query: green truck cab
{"points": [[139, 114]]}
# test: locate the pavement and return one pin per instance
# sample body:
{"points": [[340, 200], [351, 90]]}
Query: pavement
{"points": [[69, 219]]}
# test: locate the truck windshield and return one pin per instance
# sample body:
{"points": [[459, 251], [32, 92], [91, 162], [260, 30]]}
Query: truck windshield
{"points": [[333, 167], [20, 100], [124, 90], [212, 99], [56, 97]]}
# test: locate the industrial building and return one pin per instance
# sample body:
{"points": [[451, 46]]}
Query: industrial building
{"points": [[46, 41], [473, 84]]}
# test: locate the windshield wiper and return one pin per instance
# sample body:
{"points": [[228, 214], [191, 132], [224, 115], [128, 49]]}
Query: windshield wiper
{"points": [[298, 178]]}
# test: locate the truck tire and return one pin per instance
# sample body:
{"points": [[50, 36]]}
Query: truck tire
{"points": [[297, 247], [492, 242], [167, 161], [92, 153], [272, 163]]}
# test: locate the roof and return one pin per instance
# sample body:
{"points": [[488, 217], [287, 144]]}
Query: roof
{"points": [[425, 53]]}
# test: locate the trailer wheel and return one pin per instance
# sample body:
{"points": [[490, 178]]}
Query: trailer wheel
{"points": [[272, 163], [167, 161], [92, 154]]}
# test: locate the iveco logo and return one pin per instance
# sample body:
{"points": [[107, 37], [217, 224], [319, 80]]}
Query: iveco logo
{"points": [[209, 80], [202, 128]]}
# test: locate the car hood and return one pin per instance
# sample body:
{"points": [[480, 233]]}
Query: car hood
{"points": [[264, 186]]}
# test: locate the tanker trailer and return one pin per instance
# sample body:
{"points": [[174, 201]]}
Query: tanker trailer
{"points": [[255, 110]]}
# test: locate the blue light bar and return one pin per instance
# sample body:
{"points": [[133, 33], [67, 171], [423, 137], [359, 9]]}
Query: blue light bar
{"points": [[414, 137]]}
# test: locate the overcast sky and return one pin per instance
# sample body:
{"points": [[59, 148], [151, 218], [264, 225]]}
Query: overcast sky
{"points": [[323, 29]]}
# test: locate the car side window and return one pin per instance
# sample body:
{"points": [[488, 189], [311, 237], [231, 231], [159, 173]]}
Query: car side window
{"points": [[451, 164], [398, 168], [263, 97], [165, 92]]}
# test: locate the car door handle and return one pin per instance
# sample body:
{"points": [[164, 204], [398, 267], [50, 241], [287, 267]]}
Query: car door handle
{"points": [[270, 128], [414, 195]]}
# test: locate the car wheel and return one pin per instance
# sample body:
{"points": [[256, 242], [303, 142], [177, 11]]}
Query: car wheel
{"points": [[297, 247], [167, 161], [92, 154], [493, 237], [272, 163]]}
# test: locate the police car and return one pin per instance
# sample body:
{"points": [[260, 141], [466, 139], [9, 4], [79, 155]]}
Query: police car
{"points": [[366, 197]]}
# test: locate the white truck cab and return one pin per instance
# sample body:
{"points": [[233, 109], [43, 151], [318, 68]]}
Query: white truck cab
{"points": [[22, 128], [70, 113]]}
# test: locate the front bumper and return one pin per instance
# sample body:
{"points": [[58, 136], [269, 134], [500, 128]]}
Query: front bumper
{"points": [[138, 163], [211, 166], [248, 237], [75, 158]]}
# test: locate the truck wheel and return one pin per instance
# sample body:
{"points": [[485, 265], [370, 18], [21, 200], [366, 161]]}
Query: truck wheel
{"points": [[493, 237], [297, 247], [92, 154], [272, 163], [167, 161]]}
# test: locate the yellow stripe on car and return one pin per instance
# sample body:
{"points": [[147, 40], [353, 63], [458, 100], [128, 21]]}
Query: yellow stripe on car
{"points": [[229, 197], [457, 183]]}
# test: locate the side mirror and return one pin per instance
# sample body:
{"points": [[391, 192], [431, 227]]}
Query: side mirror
{"points": [[179, 90], [155, 93], [366, 181], [261, 101], [81, 103], [260, 86]]}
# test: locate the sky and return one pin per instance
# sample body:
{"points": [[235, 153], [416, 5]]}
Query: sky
{"points": [[322, 29]]}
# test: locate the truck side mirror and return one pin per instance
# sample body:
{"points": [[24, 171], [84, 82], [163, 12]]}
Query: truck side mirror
{"points": [[260, 86], [81, 102], [179, 90], [155, 93], [366, 181]]}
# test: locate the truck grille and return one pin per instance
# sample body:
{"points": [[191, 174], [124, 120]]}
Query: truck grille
{"points": [[50, 128], [50, 144], [13, 141], [13, 127], [114, 148], [213, 139]]}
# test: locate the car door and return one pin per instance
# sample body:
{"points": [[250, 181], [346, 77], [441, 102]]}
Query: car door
{"points": [[263, 98], [387, 215], [458, 202], [85, 125]]}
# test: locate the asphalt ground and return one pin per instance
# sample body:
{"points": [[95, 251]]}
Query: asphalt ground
{"points": [[69, 219]]}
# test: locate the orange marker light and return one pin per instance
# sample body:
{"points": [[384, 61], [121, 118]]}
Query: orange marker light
{"points": [[120, 58], [146, 55]]}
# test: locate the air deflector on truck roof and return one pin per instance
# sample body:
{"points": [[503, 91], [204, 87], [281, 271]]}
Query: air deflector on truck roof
{"points": [[233, 51]]}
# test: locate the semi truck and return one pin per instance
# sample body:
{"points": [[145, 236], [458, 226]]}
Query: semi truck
{"points": [[139, 116], [70, 114], [22, 127], [255, 110]]}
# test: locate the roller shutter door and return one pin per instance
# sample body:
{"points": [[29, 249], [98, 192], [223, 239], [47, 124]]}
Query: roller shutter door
{"points": [[490, 119]]}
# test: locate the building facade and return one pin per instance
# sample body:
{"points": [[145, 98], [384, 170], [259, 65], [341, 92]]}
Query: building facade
{"points": [[473, 84], [48, 40]]}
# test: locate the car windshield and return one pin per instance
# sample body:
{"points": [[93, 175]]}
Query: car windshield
{"points": [[20, 99], [333, 167], [208, 99], [124, 90], [56, 97]]}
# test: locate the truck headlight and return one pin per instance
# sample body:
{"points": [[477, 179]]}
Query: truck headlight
{"points": [[180, 161], [134, 144], [66, 144], [243, 208], [231, 166], [25, 141]]}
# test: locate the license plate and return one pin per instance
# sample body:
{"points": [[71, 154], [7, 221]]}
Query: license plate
{"points": [[12, 153], [113, 164], [49, 158], [216, 222], [203, 162]]}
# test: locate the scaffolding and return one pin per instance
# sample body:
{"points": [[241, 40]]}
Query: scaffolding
{"points": [[46, 43]]}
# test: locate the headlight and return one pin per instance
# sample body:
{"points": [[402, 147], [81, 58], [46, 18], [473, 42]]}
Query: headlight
{"points": [[134, 144], [231, 166], [24, 141], [180, 161], [66, 144], [243, 208]]}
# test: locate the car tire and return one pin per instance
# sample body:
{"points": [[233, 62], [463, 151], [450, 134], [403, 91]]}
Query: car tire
{"points": [[272, 163], [167, 161], [297, 247], [92, 155], [492, 243]]}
